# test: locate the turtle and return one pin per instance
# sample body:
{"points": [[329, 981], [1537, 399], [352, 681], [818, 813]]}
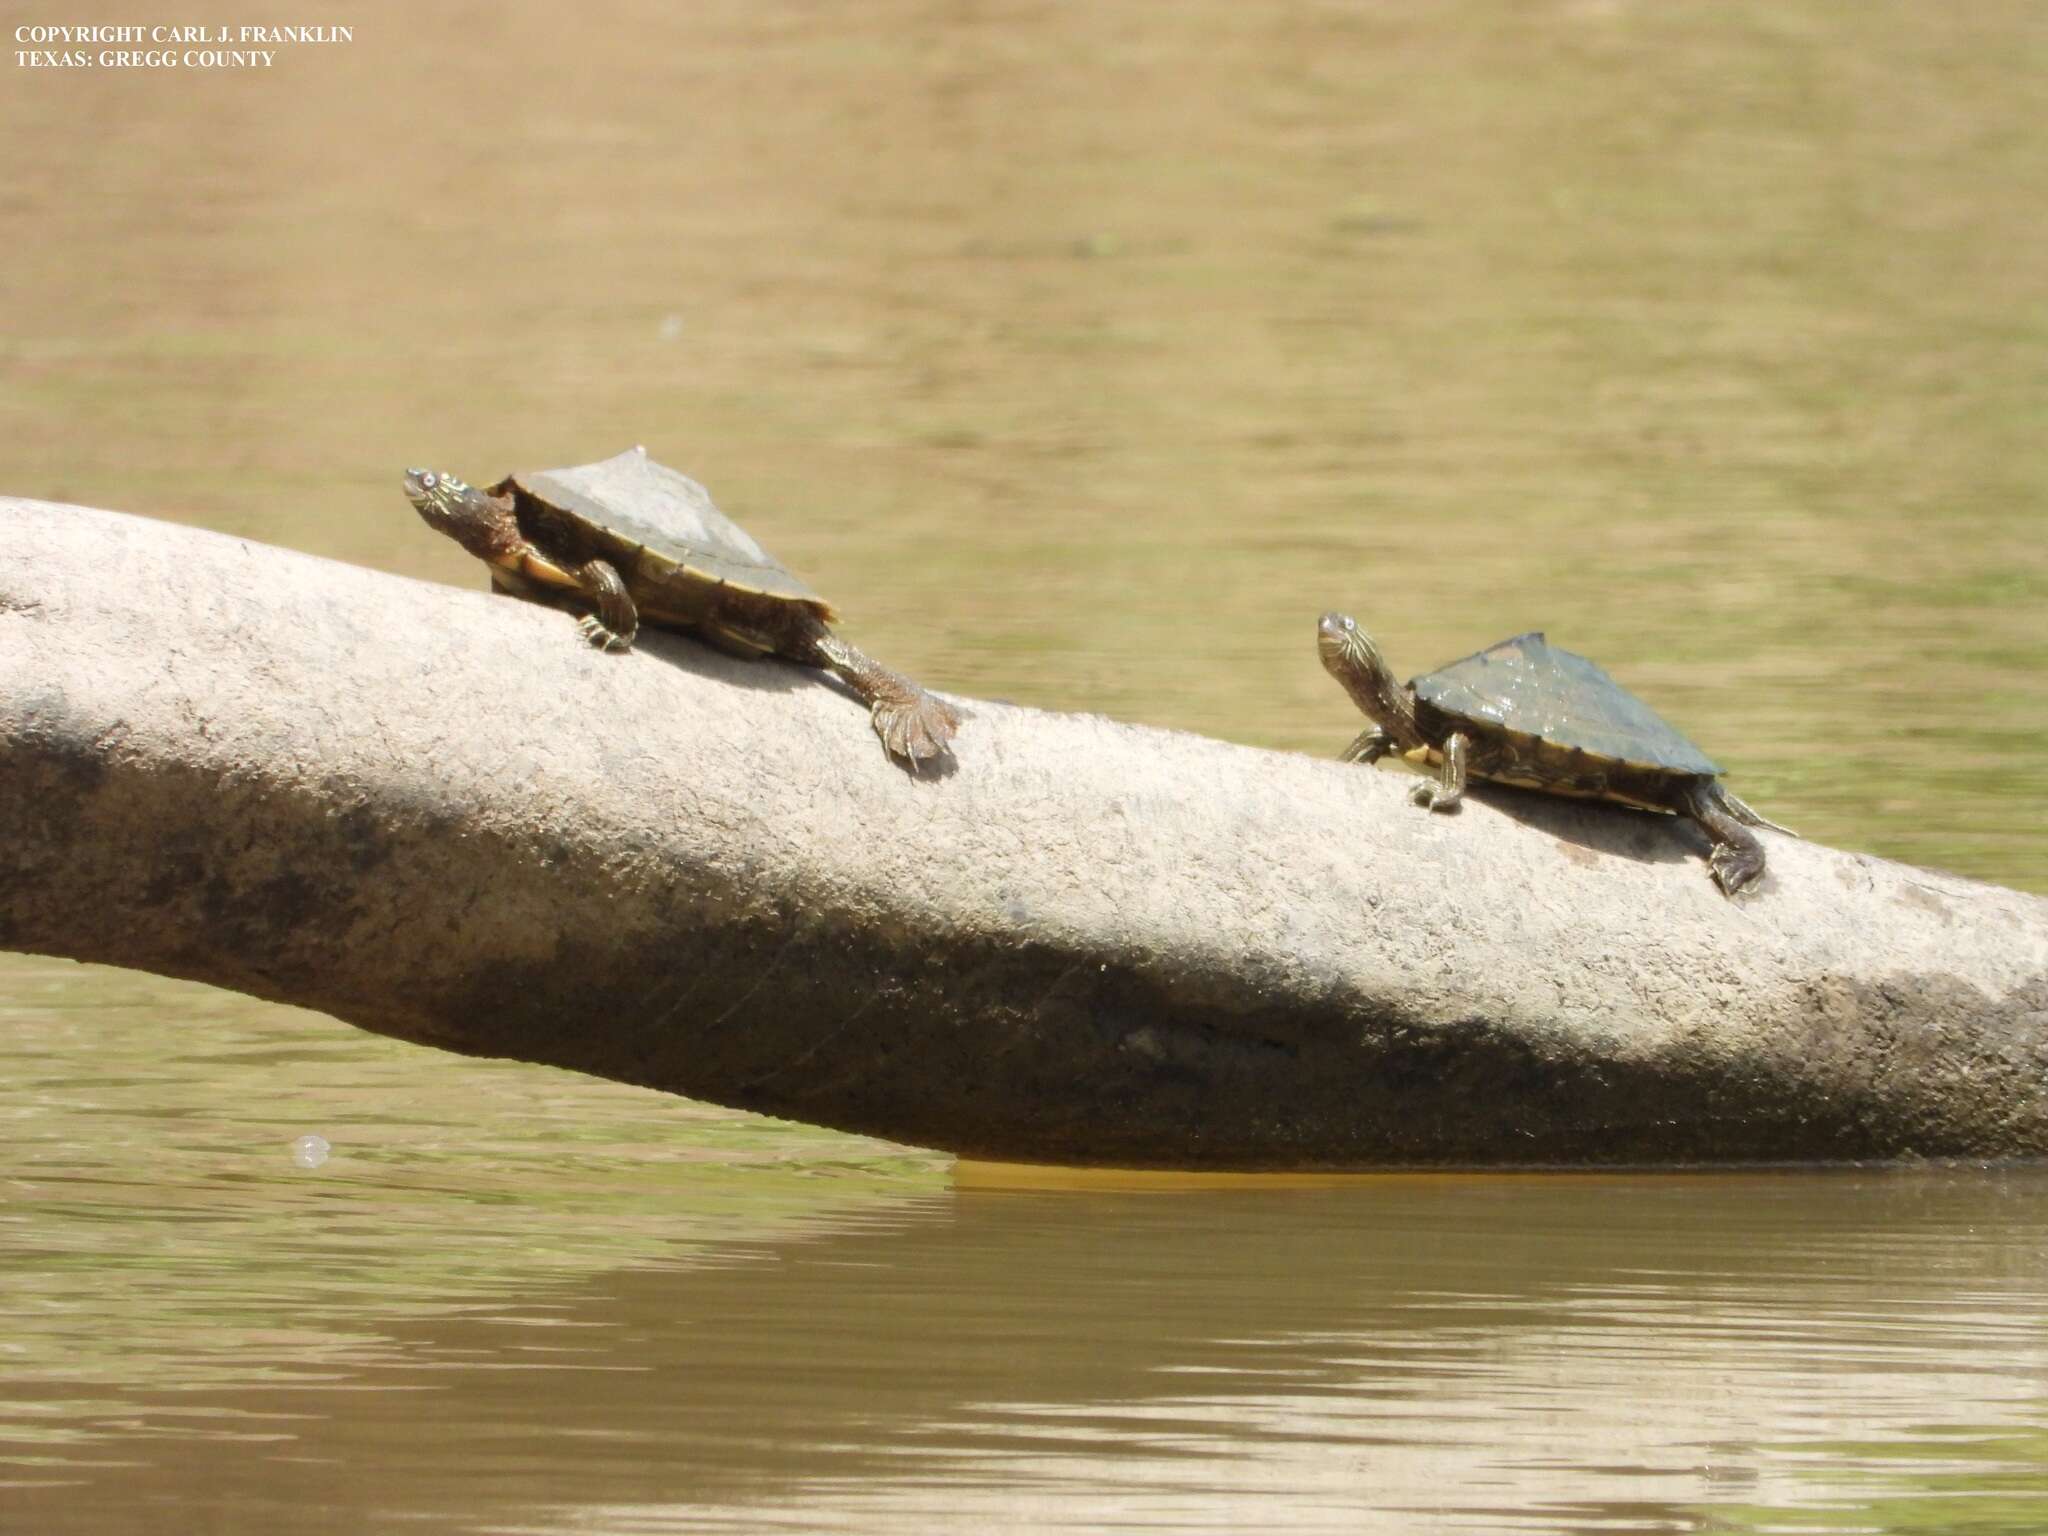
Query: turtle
{"points": [[629, 539], [1529, 713]]}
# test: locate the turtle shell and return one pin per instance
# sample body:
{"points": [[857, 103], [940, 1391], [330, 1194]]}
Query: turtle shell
{"points": [[1529, 686], [660, 524]]}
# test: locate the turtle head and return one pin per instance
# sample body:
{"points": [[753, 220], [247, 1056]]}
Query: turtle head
{"points": [[480, 522], [439, 498], [1345, 648], [1350, 656]]}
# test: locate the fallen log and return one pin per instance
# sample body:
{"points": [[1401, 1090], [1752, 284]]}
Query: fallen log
{"points": [[434, 814]]}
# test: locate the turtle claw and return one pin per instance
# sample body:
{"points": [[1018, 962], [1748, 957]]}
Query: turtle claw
{"points": [[1432, 796], [601, 635]]}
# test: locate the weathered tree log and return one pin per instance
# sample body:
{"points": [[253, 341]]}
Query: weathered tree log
{"points": [[435, 814]]}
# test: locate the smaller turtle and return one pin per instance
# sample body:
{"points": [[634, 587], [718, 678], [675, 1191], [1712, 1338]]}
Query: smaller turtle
{"points": [[635, 540], [1525, 712]]}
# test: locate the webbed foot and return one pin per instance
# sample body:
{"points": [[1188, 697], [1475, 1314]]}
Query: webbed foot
{"points": [[913, 725], [1737, 860], [1736, 868]]}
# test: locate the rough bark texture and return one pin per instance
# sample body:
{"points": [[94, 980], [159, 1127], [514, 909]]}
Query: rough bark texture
{"points": [[438, 815]]}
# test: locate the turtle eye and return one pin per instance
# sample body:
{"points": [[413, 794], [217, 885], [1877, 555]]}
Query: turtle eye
{"points": [[1350, 624], [429, 480]]}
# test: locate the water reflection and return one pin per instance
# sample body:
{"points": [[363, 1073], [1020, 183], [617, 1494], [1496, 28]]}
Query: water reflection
{"points": [[1394, 1354]]}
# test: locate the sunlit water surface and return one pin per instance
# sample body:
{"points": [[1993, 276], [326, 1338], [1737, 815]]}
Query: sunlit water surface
{"points": [[1083, 354]]}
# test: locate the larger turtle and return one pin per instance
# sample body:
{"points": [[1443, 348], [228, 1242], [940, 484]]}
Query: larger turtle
{"points": [[636, 542], [1530, 713]]}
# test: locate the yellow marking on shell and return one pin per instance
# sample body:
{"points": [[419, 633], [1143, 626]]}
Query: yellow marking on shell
{"points": [[541, 569]]}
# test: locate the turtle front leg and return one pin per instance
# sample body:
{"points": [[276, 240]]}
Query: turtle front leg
{"points": [[617, 620], [1448, 788], [912, 724], [1738, 858], [1368, 747]]}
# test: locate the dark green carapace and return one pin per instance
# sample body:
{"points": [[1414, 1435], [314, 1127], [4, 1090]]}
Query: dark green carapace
{"points": [[1528, 686]]}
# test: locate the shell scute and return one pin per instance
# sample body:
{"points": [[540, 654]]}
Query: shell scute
{"points": [[636, 503], [1527, 686]]}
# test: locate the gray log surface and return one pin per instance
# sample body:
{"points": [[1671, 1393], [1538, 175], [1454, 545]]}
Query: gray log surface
{"points": [[437, 815]]}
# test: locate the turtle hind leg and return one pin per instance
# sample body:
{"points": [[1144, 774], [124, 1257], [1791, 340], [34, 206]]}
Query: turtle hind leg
{"points": [[1443, 792], [1737, 859], [1747, 815], [913, 725]]}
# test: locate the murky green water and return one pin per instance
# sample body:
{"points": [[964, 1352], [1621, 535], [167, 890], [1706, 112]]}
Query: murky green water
{"points": [[1083, 354]]}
